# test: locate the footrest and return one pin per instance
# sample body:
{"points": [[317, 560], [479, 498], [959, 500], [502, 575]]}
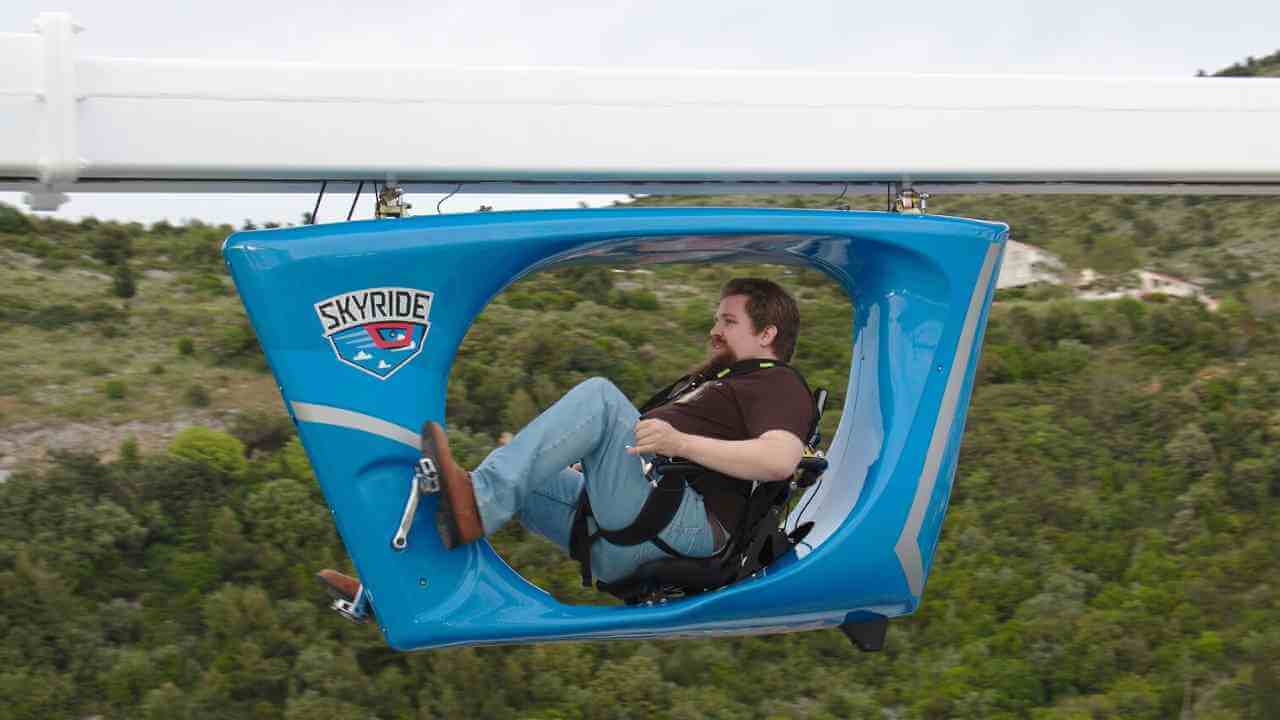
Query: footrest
{"points": [[357, 610]]}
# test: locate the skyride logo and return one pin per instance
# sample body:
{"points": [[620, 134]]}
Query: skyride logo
{"points": [[376, 330]]}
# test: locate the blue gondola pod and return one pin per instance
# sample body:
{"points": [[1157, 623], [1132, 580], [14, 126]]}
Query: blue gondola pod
{"points": [[360, 323]]}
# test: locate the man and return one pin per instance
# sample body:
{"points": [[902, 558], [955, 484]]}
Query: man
{"points": [[748, 426]]}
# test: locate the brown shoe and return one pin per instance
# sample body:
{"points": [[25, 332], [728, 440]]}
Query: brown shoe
{"points": [[458, 518], [342, 587]]}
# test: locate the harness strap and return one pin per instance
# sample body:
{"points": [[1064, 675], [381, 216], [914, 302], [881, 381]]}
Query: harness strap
{"points": [[580, 539], [666, 394], [689, 382], [655, 515]]}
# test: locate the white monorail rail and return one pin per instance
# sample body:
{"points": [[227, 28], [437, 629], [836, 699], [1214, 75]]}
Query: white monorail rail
{"points": [[70, 123]]}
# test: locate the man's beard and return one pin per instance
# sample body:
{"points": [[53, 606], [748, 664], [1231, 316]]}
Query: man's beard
{"points": [[717, 358]]}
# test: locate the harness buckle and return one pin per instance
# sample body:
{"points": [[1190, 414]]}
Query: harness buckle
{"points": [[646, 466]]}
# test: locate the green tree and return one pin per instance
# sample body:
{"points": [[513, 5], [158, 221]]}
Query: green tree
{"points": [[112, 244], [12, 220], [1191, 450], [519, 410], [1250, 483], [212, 448], [166, 702], [1113, 254], [282, 514], [122, 282]]}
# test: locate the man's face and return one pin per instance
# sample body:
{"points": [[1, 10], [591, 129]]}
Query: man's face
{"points": [[733, 337]]}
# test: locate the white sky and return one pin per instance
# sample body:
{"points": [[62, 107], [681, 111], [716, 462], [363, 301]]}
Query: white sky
{"points": [[1086, 37]]}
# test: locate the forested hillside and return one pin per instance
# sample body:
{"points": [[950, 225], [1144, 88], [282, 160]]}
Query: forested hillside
{"points": [[1110, 551], [1268, 66]]}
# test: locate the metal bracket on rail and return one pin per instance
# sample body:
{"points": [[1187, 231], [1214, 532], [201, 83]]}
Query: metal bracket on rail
{"points": [[60, 163], [910, 202], [391, 203]]}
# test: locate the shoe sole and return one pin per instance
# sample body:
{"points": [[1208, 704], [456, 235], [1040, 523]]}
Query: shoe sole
{"points": [[334, 591]]}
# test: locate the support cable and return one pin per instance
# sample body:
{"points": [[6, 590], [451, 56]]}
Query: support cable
{"points": [[807, 502], [319, 197], [836, 202], [355, 200], [446, 197]]}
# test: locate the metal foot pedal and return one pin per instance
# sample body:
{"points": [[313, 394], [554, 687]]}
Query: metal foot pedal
{"points": [[357, 610], [426, 480]]}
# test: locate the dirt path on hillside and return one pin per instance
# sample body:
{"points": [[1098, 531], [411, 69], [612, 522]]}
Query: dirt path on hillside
{"points": [[26, 444]]}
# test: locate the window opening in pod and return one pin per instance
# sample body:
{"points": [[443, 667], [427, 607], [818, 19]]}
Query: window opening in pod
{"points": [[640, 326]]}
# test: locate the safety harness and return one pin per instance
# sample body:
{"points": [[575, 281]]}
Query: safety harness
{"points": [[754, 543]]}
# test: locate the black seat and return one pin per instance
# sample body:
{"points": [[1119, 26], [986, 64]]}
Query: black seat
{"points": [[754, 545]]}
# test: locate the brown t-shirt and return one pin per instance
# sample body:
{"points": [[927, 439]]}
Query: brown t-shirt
{"points": [[740, 407]]}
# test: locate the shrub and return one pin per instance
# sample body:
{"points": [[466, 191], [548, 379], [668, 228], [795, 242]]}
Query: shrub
{"points": [[634, 300], [122, 283], [112, 245], [93, 368], [13, 221], [1250, 483], [519, 411], [130, 454], [294, 463], [282, 514], [200, 246], [52, 316], [206, 284], [102, 312], [263, 431], [196, 396], [528, 298], [19, 310], [593, 283], [235, 344], [115, 389], [214, 449], [15, 309], [186, 346]]}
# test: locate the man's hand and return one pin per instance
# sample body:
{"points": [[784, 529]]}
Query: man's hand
{"points": [[659, 438]]}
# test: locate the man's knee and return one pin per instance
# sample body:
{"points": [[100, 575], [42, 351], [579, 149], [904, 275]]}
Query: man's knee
{"points": [[599, 386], [600, 398]]}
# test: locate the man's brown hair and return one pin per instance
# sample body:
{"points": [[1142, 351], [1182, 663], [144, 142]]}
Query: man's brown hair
{"points": [[768, 304]]}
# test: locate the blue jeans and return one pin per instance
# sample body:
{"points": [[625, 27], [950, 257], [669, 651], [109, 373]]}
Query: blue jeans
{"points": [[530, 478]]}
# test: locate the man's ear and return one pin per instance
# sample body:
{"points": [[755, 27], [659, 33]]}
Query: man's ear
{"points": [[767, 335]]}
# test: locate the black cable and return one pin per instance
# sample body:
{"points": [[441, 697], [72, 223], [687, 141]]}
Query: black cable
{"points": [[446, 197], [319, 197], [812, 495], [355, 200]]}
